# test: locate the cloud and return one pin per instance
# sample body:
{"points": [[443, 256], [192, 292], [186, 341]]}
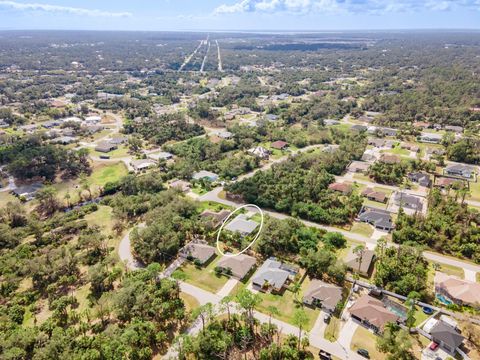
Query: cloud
{"points": [[60, 9], [378, 7]]}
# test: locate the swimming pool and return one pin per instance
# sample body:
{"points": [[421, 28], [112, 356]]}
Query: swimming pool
{"points": [[443, 299]]}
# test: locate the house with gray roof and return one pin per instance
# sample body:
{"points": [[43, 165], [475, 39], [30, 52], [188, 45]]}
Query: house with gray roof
{"points": [[242, 225], [388, 131], [27, 192], [198, 251], [330, 122], [237, 266], [364, 267], [273, 275], [323, 295], [453, 128], [206, 175], [163, 155], [462, 170], [359, 128], [105, 146], [421, 179], [379, 218], [408, 201], [446, 336], [430, 138]]}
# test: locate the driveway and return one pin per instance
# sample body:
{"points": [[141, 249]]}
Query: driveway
{"points": [[227, 288], [320, 325], [346, 333]]}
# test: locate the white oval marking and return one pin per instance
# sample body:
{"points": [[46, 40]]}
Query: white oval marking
{"points": [[226, 220]]}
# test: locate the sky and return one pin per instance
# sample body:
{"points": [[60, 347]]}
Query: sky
{"points": [[235, 15]]}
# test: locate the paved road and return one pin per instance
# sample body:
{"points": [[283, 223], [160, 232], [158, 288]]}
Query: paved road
{"points": [[213, 196], [204, 297]]}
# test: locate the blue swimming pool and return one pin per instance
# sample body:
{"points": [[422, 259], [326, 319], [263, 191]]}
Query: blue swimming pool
{"points": [[443, 299]]}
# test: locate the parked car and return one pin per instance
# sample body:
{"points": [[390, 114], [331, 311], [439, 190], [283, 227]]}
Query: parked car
{"points": [[325, 355], [326, 318], [105, 157], [433, 346], [364, 353]]}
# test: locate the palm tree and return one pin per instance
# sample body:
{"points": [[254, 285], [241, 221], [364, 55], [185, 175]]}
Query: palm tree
{"points": [[296, 286], [300, 319], [359, 251]]}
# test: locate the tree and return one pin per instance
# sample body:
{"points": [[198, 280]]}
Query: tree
{"points": [[334, 239], [300, 319], [204, 312], [359, 251], [47, 200], [395, 342]]}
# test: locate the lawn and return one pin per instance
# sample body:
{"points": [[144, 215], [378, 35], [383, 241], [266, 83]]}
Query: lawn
{"points": [[105, 173], [190, 302], [214, 206], [475, 190], [198, 189], [117, 153], [451, 270], [6, 197], [374, 204], [82, 297], [362, 229], [397, 150], [204, 278], [364, 339], [104, 218], [420, 316], [286, 305], [333, 329]]}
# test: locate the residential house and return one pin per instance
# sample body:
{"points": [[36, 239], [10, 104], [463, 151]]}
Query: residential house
{"points": [[214, 219], [273, 275], [330, 122], [118, 140], [64, 140], [271, 117], [369, 155], [238, 266], [27, 192], [430, 138], [358, 167], [456, 129], [410, 147], [408, 201], [241, 224], [421, 179], [372, 313], [380, 219], [421, 125], [373, 195], [459, 291], [366, 119], [198, 251], [94, 119], [388, 131], [28, 128], [359, 128], [464, 171], [447, 182], [206, 175], [446, 336], [260, 152], [343, 188], [50, 124], [363, 267], [323, 295], [224, 135], [390, 158], [376, 142], [330, 148], [181, 185], [142, 164], [160, 156], [105, 146], [279, 145]]}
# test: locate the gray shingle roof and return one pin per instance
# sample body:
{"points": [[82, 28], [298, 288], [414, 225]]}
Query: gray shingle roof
{"points": [[242, 225], [447, 334], [274, 273]]}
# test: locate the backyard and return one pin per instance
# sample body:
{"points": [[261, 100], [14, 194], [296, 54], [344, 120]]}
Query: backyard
{"points": [[204, 278]]}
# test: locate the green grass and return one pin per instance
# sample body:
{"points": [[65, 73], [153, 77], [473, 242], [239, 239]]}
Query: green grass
{"points": [[475, 190], [82, 297], [204, 278], [6, 197], [117, 153], [197, 189], [344, 127], [286, 305], [397, 150], [105, 173], [374, 204], [420, 316], [451, 270], [190, 302], [333, 329], [362, 229], [211, 205], [364, 339]]}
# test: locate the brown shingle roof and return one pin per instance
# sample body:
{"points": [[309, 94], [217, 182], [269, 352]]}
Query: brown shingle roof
{"points": [[467, 292], [202, 252], [240, 264], [372, 311], [279, 144], [328, 294], [341, 187]]}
